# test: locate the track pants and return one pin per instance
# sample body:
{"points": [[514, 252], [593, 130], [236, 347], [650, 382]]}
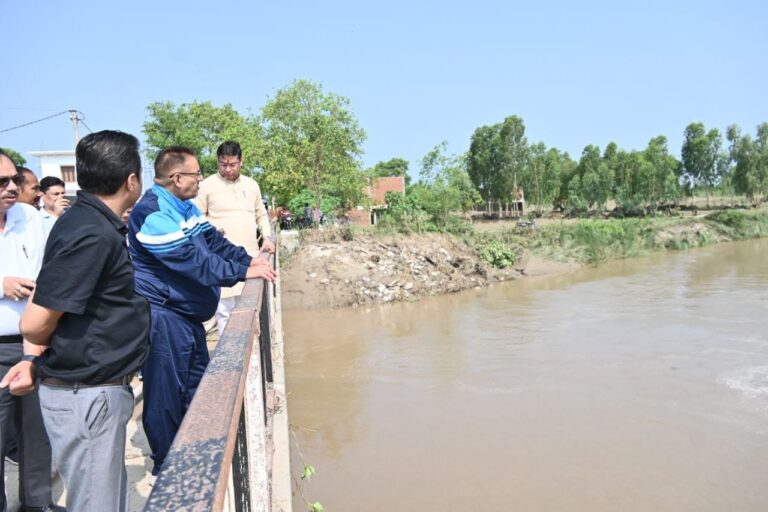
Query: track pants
{"points": [[177, 360]]}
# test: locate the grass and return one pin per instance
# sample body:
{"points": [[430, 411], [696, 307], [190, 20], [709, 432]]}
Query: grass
{"points": [[595, 240]]}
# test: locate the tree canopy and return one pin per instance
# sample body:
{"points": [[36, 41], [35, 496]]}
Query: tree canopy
{"points": [[18, 160], [392, 167], [311, 140], [202, 127]]}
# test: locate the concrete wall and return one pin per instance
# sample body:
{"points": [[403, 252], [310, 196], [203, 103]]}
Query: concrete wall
{"points": [[51, 163]]}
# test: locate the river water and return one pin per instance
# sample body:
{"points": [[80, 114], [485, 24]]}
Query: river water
{"points": [[639, 385]]}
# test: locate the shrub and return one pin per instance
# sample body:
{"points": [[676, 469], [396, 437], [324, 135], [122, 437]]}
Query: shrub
{"points": [[497, 254]]}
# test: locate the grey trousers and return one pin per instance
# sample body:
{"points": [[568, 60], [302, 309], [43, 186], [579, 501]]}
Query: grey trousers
{"points": [[86, 427], [22, 414]]}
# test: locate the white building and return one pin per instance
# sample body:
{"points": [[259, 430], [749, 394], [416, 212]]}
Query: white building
{"points": [[60, 164]]}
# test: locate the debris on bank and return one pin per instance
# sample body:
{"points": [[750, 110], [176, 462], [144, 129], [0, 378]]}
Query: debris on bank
{"points": [[369, 269]]}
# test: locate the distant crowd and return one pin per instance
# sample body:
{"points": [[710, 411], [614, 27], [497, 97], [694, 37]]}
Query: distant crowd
{"points": [[112, 285]]}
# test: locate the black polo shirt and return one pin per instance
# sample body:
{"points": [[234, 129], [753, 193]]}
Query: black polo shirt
{"points": [[87, 274]]}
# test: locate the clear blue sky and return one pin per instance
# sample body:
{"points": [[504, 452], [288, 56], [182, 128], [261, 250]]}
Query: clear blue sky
{"points": [[417, 73]]}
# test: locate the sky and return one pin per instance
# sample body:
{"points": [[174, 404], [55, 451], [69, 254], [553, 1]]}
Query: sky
{"points": [[416, 72]]}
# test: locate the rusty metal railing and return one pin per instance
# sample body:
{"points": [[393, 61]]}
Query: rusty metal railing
{"points": [[231, 452]]}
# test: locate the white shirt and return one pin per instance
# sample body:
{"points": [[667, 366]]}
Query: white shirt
{"points": [[22, 244], [48, 219]]}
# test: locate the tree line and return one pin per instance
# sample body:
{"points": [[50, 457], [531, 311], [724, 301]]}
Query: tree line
{"points": [[500, 159], [305, 145]]}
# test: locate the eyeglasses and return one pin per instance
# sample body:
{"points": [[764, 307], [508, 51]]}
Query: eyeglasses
{"points": [[198, 174], [17, 180]]}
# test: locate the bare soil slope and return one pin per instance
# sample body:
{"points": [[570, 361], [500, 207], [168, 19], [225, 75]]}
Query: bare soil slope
{"points": [[328, 273]]}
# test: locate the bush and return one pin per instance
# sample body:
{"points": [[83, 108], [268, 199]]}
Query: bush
{"points": [[497, 254]]}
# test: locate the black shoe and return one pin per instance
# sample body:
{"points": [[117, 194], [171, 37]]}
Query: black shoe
{"points": [[48, 508]]}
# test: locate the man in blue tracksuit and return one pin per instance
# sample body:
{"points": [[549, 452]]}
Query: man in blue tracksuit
{"points": [[180, 262]]}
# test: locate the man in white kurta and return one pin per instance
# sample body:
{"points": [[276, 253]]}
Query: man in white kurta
{"points": [[232, 203]]}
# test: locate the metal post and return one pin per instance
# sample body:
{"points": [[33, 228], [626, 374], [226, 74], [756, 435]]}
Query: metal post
{"points": [[75, 120]]}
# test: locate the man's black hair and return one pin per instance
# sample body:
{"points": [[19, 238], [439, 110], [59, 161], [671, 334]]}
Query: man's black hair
{"points": [[230, 148], [170, 158], [105, 159], [50, 181]]}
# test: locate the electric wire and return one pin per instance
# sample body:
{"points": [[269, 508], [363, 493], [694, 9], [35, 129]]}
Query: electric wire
{"points": [[33, 122]]}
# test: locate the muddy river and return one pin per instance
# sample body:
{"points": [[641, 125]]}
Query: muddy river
{"points": [[641, 385]]}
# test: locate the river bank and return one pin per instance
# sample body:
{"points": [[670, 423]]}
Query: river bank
{"points": [[336, 268]]}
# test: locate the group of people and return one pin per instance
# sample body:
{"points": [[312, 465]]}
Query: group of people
{"points": [[90, 301]]}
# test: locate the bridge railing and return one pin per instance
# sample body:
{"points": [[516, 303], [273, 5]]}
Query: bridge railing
{"points": [[231, 452]]}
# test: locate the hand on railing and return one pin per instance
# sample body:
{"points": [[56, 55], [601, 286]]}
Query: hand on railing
{"points": [[262, 268]]}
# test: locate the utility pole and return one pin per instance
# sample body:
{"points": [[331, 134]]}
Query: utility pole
{"points": [[75, 119]]}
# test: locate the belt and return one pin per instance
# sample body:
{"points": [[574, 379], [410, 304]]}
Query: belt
{"points": [[11, 338], [122, 381]]}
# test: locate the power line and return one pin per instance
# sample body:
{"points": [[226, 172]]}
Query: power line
{"points": [[33, 122], [82, 120]]}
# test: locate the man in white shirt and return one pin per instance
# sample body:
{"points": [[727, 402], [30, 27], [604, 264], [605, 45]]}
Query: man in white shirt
{"points": [[232, 203], [29, 192], [22, 243], [54, 201]]}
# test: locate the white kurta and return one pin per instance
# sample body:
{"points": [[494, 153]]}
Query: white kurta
{"points": [[236, 208]]}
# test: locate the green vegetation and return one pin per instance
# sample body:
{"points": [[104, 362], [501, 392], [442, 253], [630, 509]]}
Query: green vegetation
{"points": [[304, 139], [202, 127], [305, 145], [15, 156], [498, 254], [592, 241]]}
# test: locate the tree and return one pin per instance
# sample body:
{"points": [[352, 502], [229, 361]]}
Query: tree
{"points": [[202, 127], [483, 163], [542, 181], [498, 157], [392, 167], [592, 185], [15, 156], [444, 186], [663, 185], [702, 156], [313, 141], [750, 175]]}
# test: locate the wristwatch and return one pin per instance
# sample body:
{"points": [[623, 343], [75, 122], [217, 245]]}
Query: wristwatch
{"points": [[30, 358]]}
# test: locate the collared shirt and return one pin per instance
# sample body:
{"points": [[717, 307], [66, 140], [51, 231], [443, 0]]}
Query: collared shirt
{"points": [[22, 243], [48, 219], [87, 274], [236, 208]]}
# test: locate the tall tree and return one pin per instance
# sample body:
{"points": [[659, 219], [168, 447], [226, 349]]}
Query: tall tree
{"points": [[542, 179], [750, 175], [663, 185], [702, 156], [498, 156], [483, 163], [594, 181], [311, 140], [514, 148], [202, 127]]}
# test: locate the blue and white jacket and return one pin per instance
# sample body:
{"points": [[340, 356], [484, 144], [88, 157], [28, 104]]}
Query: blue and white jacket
{"points": [[179, 258]]}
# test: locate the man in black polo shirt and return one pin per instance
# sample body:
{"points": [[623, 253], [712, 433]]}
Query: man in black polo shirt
{"points": [[85, 309]]}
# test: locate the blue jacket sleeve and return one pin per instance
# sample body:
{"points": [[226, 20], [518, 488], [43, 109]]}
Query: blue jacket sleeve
{"points": [[186, 251]]}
